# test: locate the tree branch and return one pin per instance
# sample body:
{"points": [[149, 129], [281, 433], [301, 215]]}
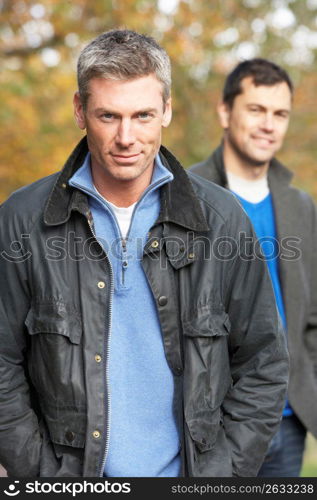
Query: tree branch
{"points": [[26, 50]]}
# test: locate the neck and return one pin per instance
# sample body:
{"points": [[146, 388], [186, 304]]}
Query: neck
{"points": [[121, 193], [242, 166]]}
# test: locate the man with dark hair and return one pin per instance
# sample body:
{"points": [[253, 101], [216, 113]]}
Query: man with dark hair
{"points": [[254, 114], [126, 349], [261, 71]]}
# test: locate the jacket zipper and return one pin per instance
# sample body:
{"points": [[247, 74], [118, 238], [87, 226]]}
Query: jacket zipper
{"points": [[124, 250], [106, 355]]}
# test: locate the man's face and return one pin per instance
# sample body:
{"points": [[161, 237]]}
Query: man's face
{"points": [[256, 124], [123, 120]]}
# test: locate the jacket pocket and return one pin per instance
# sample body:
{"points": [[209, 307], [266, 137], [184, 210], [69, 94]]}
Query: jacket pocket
{"points": [[66, 423], [207, 375], [55, 357], [203, 428], [207, 448], [56, 318], [63, 440]]}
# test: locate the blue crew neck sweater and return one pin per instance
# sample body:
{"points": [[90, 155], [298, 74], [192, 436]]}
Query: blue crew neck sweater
{"points": [[143, 438], [263, 219]]}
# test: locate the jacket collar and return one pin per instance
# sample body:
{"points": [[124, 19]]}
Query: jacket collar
{"points": [[179, 203], [278, 174]]}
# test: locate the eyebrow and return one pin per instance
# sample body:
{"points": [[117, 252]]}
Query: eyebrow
{"points": [[112, 112], [283, 110]]}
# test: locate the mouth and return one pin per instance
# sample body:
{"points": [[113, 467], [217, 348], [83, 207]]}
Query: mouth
{"points": [[263, 142], [125, 158]]}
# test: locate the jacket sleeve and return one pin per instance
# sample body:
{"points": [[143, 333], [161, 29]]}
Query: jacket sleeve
{"points": [[20, 440], [258, 353], [310, 333]]}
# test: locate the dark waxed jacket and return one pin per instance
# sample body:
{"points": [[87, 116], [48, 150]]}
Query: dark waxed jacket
{"points": [[296, 220], [218, 318]]}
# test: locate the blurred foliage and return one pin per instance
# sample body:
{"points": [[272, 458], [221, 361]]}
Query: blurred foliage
{"points": [[309, 468], [40, 41]]}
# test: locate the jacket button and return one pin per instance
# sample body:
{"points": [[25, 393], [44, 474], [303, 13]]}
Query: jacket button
{"points": [[98, 358], [70, 436], [154, 244], [101, 284], [162, 300], [96, 434], [191, 255]]}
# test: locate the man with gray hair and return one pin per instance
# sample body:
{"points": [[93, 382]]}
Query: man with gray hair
{"points": [[128, 347]]}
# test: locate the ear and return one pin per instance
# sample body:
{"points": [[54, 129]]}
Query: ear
{"points": [[167, 115], [224, 112], [79, 112]]}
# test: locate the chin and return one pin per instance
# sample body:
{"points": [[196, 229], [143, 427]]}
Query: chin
{"points": [[125, 178], [260, 159], [260, 163]]}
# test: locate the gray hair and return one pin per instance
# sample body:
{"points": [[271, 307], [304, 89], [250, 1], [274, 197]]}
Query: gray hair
{"points": [[122, 55]]}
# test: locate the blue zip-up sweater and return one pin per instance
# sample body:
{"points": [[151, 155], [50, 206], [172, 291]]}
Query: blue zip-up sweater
{"points": [[143, 439]]}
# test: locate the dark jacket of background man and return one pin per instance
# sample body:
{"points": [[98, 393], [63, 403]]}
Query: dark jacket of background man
{"points": [[296, 217], [296, 225]]}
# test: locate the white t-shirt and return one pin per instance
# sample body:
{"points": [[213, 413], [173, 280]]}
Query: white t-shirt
{"points": [[252, 191], [123, 215]]}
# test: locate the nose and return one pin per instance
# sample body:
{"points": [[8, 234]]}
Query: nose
{"points": [[268, 122], [125, 136]]}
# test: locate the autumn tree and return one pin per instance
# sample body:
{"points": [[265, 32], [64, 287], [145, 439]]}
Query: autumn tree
{"points": [[40, 42]]}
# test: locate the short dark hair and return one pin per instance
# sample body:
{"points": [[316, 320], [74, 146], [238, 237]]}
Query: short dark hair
{"points": [[262, 72]]}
